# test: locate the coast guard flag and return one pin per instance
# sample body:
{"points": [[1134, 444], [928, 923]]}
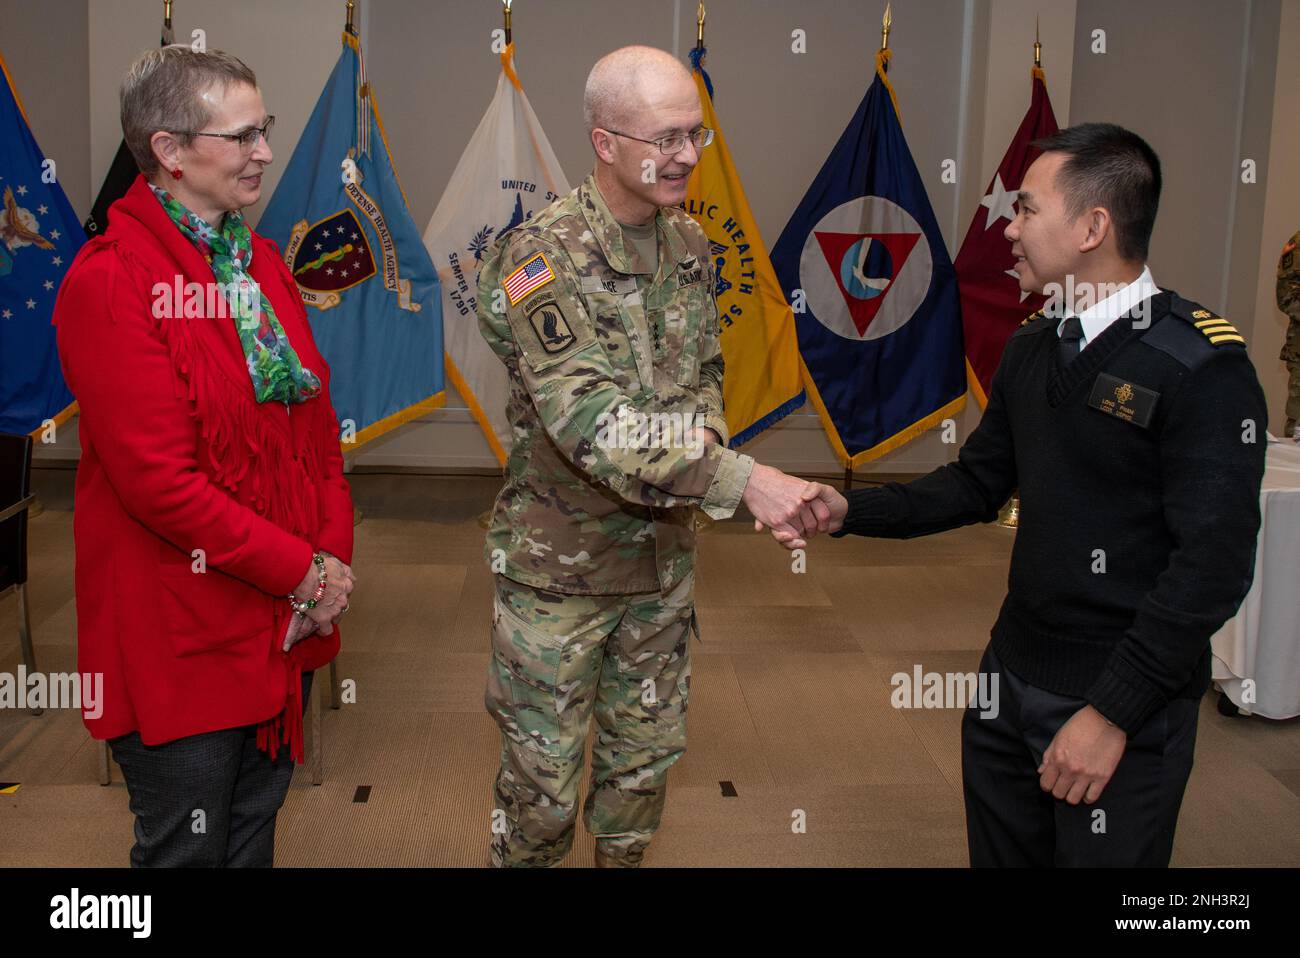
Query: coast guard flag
{"points": [[992, 303], [507, 173], [874, 294], [347, 236], [39, 236], [762, 385]]}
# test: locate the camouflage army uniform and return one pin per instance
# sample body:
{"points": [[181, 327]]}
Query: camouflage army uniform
{"points": [[593, 538], [1288, 300]]}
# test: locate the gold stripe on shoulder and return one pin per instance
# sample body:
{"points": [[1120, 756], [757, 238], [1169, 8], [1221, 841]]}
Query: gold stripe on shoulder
{"points": [[1227, 338]]}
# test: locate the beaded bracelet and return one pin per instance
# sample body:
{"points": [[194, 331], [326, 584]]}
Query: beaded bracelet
{"points": [[303, 607]]}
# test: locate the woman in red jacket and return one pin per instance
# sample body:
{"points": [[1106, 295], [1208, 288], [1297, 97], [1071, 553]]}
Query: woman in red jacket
{"points": [[213, 524]]}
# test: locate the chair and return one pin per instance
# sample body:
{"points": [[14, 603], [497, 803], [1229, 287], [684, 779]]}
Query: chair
{"points": [[15, 500], [314, 720]]}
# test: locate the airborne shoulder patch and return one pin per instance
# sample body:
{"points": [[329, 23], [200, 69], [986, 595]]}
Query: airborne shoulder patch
{"points": [[551, 327], [1215, 328]]}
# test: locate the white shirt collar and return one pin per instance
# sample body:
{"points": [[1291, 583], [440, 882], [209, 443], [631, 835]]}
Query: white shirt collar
{"points": [[1097, 317]]}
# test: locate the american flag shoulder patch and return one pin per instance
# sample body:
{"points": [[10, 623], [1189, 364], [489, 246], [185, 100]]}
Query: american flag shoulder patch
{"points": [[532, 275]]}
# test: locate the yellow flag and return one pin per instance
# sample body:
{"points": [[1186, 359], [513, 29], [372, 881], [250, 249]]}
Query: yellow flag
{"points": [[762, 383]]}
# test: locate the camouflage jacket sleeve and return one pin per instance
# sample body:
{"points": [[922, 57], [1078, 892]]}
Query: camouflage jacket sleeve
{"points": [[1288, 297], [568, 374], [711, 366]]}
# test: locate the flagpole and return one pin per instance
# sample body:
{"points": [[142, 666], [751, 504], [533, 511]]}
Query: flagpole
{"points": [[167, 14], [699, 26], [350, 25], [506, 10], [1009, 516], [885, 24]]}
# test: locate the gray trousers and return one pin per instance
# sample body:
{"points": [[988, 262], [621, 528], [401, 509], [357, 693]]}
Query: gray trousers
{"points": [[205, 801]]}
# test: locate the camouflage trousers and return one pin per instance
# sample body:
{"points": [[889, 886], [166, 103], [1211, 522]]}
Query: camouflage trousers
{"points": [[556, 659]]}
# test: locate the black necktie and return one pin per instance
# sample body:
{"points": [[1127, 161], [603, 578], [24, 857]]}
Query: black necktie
{"points": [[1071, 340]]}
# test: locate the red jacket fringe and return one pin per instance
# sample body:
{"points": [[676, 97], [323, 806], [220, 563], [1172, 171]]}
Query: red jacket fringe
{"points": [[177, 456]]}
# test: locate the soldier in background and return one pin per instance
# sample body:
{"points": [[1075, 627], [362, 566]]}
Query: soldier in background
{"points": [[601, 308], [1288, 300]]}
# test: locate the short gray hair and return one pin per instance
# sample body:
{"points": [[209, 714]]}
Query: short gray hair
{"points": [[161, 91]]}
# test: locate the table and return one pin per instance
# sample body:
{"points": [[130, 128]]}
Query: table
{"points": [[1262, 642]]}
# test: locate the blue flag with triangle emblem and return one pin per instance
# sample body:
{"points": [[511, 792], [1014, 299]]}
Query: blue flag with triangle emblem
{"points": [[39, 236], [874, 293], [346, 234]]}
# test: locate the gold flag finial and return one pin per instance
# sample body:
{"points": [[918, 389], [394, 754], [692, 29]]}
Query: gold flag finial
{"points": [[1038, 47], [167, 13], [351, 26], [506, 11], [885, 23], [699, 26]]}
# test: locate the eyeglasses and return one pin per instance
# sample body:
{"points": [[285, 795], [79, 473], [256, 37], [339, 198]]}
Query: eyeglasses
{"points": [[247, 140], [676, 142]]}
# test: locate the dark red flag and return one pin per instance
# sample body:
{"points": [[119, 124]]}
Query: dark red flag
{"points": [[992, 305]]}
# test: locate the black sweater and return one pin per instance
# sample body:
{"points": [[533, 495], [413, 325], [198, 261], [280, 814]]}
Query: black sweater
{"points": [[1172, 506]]}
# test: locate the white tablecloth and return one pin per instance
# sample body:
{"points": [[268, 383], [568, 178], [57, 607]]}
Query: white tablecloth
{"points": [[1262, 643]]}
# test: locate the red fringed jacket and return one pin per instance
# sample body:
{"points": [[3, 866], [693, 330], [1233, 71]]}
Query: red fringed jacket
{"points": [[177, 456]]}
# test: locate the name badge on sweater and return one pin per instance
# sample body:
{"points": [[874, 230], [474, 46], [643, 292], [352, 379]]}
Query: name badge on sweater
{"points": [[1123, 400]]}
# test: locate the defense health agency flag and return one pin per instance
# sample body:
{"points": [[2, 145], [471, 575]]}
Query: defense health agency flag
{"points": [[762, 384], [507, 173], [39, 236], [347, 236], [992, 303], [880, 332]]}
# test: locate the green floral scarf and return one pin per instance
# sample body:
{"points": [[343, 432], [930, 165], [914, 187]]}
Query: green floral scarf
{"points": [[274, 367]]}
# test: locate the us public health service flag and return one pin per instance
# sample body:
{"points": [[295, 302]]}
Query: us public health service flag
{"points": [[880, 326], [39, 236], [759, 347], [347, 236], [507, 173]]}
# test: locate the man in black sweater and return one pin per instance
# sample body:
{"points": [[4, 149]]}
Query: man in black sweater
{"points": [[1132, 423]]}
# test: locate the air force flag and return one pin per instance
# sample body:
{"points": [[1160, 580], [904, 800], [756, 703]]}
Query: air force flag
{"points": [[873, 290], [347, 236], [39, 237]]}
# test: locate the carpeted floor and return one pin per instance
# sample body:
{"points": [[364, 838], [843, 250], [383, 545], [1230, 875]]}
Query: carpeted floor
{"points": [[790, 708]]}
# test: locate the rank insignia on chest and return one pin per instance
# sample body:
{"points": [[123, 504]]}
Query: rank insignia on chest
{"points": [[531, 276], [550, 326], [1123, 400]]}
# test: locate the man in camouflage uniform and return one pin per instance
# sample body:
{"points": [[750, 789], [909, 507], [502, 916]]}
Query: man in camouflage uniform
{"points": [[601, 307], [1288, 300]]}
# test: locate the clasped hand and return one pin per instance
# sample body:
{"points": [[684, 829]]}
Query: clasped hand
{"points": [[339, 582], [794, 509]]}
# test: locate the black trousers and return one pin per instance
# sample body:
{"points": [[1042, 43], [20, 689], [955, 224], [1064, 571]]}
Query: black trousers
{"points": [[1011, 821], [206, 800]]}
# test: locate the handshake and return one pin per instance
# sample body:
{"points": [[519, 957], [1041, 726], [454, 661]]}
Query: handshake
{"points": [[794, 509]]}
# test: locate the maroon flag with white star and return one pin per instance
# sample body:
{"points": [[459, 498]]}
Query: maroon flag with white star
{"points": [[992, 304]]}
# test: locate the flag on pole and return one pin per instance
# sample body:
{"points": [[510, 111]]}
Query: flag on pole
{"points": [[507, 173], [759, 345], [122, 172], [992, 303], [342, 222], [39, 236], [864, 265]]}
